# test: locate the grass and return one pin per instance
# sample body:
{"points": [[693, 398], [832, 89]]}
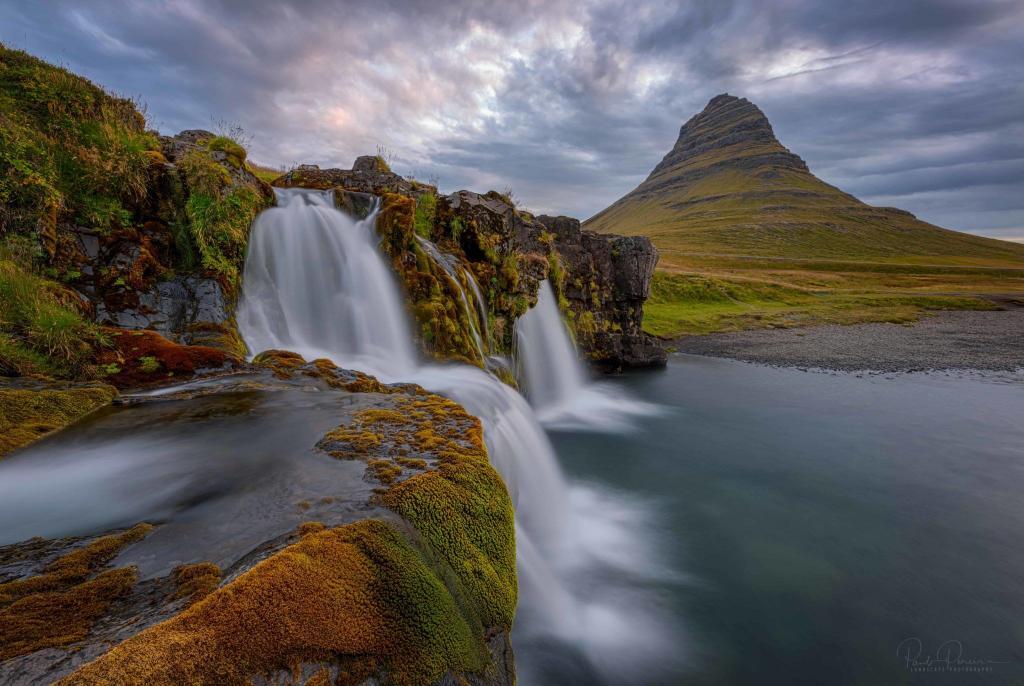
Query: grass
{"points": [[219, 214], [42, 330], [692, 303], [68, 150], [263, 173]]}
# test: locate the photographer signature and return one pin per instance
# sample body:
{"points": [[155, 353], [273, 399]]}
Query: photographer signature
{"points": [[948, 657]]}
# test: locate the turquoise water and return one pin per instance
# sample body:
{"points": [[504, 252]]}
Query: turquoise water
{"points": [[820, 528]]}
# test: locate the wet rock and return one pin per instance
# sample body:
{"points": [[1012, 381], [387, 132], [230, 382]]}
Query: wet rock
{"points": [[357, 204], [606, 280]]}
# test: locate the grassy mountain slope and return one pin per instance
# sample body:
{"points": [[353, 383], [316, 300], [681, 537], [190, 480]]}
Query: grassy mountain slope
{"points": [[729, 187], [730, 206]]}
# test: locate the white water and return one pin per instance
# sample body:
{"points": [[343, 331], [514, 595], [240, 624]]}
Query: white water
{"points": [[550, 370], [451, 269], [315, 284]]}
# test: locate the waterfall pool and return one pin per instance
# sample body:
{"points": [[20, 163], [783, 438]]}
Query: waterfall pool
{"points": [[814, 528]]}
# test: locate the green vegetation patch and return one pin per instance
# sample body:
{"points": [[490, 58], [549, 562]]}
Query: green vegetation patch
{"points": [[69, 151], [42, 330], [682, 304]]}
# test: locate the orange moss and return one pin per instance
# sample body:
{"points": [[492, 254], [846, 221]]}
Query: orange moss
{"points": [[196, 581], [358, 441], [412, 462], [307, 528], [59, 618], [27, 415], [359, 591], [383, 471], [145, 357], [74, 567], [59, 606], [282, 362]]}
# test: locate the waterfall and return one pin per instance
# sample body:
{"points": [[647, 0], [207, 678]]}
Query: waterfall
{"points": [[315, 283], [549, 369], [452, 269], [546, 359]]}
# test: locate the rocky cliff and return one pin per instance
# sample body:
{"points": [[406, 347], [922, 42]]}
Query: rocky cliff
{"points": [[729, 187], [602, 281]]}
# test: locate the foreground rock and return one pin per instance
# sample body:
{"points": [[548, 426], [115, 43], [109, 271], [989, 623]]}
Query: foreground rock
{"points": [[416, 585]]}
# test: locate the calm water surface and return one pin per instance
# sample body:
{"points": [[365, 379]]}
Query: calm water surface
{"points": [[822, 529]]}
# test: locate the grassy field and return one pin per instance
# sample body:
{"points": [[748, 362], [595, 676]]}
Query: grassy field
{"points": [[727, 294]]}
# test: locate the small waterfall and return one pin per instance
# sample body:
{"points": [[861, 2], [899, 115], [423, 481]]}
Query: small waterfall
{"points": [[315, 283], [453, 269], [548, 366]]}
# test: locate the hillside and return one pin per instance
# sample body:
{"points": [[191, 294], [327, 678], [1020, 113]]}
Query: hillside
{"points": [[750, 238], [728, 186]]}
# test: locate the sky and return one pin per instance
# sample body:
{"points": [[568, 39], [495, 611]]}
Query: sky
{"points": [[917, 104]]}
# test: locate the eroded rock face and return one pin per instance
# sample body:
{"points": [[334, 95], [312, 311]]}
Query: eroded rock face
{"points": [[138, 277], [606, 280]]}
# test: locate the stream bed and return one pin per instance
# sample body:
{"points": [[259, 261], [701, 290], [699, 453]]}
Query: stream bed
{"points": [[813, 528]]}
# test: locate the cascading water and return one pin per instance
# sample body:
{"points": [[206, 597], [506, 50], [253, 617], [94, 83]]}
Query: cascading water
{"points": [[451, 268], [549, 369], [315, 283], [548, 366]]}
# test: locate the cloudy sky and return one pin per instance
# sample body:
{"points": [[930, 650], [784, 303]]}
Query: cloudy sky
{"points": [[570, 103]]}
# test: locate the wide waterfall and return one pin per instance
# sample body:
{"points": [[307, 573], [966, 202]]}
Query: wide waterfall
{"points": [[316, 283]]}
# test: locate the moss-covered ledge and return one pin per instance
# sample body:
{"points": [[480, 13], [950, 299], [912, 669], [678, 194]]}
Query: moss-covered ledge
{"points": [[422, 597]]}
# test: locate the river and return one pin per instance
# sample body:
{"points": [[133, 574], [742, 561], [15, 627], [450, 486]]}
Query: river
{"points": [[819, 528]]}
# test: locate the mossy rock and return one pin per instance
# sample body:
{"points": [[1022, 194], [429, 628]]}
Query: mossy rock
{"points": [[27, 415]]}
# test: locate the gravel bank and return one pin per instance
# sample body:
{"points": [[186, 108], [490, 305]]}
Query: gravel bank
{"points": [[985, 341]]}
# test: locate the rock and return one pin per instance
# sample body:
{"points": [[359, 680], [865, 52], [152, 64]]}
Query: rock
{"points": [[607, 279], [357, 204], [367, 178]]}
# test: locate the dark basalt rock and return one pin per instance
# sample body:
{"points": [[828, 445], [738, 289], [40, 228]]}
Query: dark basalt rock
{"points": [[365, 179], [607, 279]]}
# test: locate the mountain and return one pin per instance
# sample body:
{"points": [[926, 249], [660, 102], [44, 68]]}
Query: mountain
{"points": [[729, 187]]}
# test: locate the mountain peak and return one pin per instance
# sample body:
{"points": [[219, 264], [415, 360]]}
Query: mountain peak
{"points": [[733, 125]]}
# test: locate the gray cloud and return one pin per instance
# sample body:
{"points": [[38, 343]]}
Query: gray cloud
{"points": [[916, 103]]}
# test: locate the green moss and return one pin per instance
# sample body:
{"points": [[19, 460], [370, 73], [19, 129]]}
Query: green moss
{"points": [[218, 216], [27, 415], [41, 328], [149, 364], [235, 152], [424, 215], [361, 595], [68, 150]]}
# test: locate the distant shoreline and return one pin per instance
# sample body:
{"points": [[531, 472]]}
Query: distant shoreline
{"points": [[987, 341]]}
